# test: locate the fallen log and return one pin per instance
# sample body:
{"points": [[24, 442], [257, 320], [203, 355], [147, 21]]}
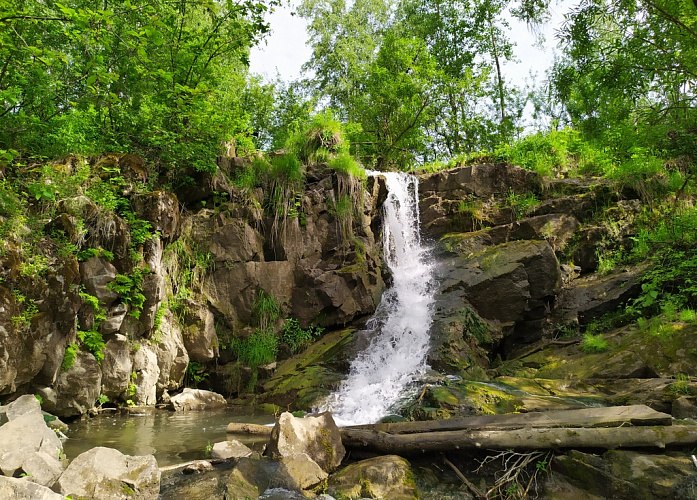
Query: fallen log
{"points": [[520, 439], [610, 416], [241, 428]]}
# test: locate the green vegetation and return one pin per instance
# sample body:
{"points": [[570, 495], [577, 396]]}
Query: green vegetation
{"points": [[161, 79], [296, 337], [593, 343], [69, 356], [195, 374], [130, 288]]}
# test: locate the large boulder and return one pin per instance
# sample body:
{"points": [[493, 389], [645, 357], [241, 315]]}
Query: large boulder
{"points": [[197, 399], [161, 209], [76, 389], [108, 474], [387, 476], [198, 332], [96, 274], [117, 367], [589, 297], [628, 475], [22, 489], [252, 476], [512, 286], [228, 239], [318, 437], [28, 446], [23, 405]]}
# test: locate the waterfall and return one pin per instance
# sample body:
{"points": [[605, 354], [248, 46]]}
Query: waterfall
{"points": [[381, 374]]}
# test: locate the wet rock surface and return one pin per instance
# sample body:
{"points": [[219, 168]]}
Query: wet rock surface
{"points": [[107, 473]]}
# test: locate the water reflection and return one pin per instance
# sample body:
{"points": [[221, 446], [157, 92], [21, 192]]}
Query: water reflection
{"points": [[173, 437]]}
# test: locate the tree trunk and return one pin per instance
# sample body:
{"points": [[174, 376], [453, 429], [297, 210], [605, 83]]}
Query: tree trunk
{"points": [[499, 78], [613, 416], [520, 439]]}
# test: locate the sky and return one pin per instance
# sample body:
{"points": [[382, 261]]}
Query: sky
{"points": [[284, 51]]}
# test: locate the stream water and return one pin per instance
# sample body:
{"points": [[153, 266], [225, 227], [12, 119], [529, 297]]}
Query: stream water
{"points": [[173, 437], [381, 374]]}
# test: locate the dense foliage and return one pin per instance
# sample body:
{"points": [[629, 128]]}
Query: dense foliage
{"points": [[164, 79]]}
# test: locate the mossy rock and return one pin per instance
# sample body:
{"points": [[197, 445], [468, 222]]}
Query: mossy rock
{"points": [[299, 382], [386, 476], [630, 475]]}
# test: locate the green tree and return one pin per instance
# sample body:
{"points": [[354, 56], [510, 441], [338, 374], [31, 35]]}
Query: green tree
{"points": [[345, 38], [631, 65], [394, 101], [145, 76]]}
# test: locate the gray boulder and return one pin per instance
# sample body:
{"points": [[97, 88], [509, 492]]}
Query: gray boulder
{"points": [[172, 358], [318, 437], [21, 406], [116, 367], [230, 449], [147, 374], [96, 274], [198, 333], [21, 489], [28, 446], [197, 399], [108, 474]]}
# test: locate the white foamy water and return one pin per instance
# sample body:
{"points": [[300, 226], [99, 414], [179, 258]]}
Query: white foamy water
{"points": [[399, 329]]}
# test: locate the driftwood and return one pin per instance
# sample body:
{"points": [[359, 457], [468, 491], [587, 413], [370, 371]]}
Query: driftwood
{"points": [[241, 428], [613, 416], [634, 426], [520, 439]]}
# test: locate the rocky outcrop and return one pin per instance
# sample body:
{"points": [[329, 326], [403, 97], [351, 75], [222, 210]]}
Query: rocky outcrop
{"points": [[445, 194], [76, 390], [512, 286], [162, 275], [108, 474], [628, 475]]}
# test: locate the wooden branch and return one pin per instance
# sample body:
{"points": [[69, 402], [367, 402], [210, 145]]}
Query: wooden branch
{"points": [[521, 439], [475, 491], [34, 18]]}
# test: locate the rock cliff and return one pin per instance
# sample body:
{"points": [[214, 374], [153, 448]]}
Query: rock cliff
{"points": [[114, 291]]}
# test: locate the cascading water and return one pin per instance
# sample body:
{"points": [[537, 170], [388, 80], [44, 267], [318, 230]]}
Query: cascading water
{"points": [[399, 329]]}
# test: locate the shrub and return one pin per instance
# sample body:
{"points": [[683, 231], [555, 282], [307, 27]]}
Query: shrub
{"points": [[287, 167], [94, 342], [522, 204], [593, 343], [296, 337], [324, 132], [261, 347]]}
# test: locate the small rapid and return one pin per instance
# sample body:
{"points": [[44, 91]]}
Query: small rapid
{"points": [[399, 330]]}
